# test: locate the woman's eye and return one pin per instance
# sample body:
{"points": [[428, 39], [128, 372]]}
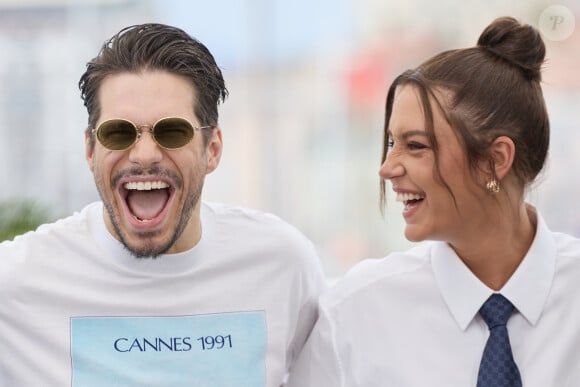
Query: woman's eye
{"points": [[390, 144], [416, 145]]}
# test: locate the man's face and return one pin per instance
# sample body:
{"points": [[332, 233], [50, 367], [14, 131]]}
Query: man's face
{"points": [[151, 194]]}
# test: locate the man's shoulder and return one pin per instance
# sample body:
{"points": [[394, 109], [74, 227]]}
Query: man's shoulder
{"points": [[231, 211], [248, 220], [35, 251], [258, 233], [68, 227]]}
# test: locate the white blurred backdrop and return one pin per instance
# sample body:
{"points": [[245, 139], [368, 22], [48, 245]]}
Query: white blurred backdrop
{"points": [[303, 125]]}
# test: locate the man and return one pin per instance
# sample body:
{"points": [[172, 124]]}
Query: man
{"points": [[151, 286]]}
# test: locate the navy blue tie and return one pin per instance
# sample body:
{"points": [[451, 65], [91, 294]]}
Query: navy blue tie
{"points": [[497, 368]]}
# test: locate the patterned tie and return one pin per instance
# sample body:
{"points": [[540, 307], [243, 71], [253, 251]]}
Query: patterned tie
{"points": [[497, 368]]}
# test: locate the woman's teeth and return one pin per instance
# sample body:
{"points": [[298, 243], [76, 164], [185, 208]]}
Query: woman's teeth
{"points": [[405, 197]]}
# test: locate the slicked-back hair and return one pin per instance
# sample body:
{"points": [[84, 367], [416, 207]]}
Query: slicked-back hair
{"points": [[155, 46]]}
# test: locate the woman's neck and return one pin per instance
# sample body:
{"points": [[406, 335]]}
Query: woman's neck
{"points": [[499, 250]]}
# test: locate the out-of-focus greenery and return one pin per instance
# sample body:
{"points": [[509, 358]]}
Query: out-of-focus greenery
{"points": [[20, 216]]}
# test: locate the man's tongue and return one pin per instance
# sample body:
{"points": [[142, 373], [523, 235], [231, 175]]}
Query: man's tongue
{"points": [[147, 205]]}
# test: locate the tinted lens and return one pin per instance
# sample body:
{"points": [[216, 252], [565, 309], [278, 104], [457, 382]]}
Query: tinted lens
{"points": [[173, 132], [117, 134]]}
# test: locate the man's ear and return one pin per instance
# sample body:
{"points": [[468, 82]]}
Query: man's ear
{"points": [[502, 152], [89, 149], [214, 150]]}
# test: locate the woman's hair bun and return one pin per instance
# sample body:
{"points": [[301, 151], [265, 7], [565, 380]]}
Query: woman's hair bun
{"points": [[517, 43]]}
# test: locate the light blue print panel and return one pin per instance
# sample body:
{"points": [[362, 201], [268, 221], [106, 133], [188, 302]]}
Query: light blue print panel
{"points": [[213, 350]]}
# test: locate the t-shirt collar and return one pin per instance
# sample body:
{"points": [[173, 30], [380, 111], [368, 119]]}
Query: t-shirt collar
{"points": [[167, 264]]}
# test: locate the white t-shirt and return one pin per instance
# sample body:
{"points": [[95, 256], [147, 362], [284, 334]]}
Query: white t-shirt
{"points": [[411, 319], [76, 309]]}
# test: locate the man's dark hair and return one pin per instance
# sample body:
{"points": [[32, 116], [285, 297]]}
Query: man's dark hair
{"points": [[157, 47]]}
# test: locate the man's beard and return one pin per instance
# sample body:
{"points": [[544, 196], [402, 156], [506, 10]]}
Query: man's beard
{"points": [[146, 249]]}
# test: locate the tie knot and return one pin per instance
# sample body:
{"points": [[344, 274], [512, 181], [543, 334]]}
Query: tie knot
{"points": [[496, 310]]}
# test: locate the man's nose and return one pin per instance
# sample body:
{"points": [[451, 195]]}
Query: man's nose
{"points": [[145, 151]]}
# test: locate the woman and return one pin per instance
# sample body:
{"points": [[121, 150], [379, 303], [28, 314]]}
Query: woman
{"points": [[466, 133]]}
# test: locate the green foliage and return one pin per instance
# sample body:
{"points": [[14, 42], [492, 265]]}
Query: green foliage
{"points": [[20, 216]]}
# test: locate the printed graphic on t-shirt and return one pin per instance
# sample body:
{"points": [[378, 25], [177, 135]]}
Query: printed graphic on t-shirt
{"points": [[211, 350]]}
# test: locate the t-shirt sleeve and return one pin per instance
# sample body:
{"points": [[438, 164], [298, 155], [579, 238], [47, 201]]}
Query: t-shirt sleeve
{"points": [[318, 364], [309, 284]]}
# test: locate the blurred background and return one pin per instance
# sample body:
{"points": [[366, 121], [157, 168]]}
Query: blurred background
{"points": [[302, 127]]}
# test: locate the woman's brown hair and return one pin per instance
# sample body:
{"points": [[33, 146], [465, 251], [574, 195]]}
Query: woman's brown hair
{"points": [[491, 90]]}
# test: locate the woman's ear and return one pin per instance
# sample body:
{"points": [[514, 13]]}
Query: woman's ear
{"points": [[502, 152]]}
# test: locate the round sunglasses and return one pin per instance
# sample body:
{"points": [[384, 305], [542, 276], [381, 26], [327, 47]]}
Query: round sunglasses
{"points": [[168, 133]]}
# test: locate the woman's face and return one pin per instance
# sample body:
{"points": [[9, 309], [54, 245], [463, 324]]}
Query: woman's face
{"points": [[430, 211]]}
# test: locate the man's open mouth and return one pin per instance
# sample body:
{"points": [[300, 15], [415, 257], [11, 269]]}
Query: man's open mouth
{"points": [[146, 200]]}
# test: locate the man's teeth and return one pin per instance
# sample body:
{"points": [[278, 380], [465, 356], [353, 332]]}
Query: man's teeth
{"points": [[145, 185], [142, 220], [405, 197]]}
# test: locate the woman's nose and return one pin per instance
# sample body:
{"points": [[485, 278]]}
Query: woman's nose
{"points": [[391, 167]]}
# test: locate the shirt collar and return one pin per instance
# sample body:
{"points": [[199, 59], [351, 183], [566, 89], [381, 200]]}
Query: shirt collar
{"points": [[527, 289]]}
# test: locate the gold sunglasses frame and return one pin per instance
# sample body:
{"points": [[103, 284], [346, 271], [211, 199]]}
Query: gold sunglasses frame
{"points": [[150, 128]]}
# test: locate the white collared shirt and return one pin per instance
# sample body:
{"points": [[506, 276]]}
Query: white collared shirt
{"points": [[411, 319]]}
